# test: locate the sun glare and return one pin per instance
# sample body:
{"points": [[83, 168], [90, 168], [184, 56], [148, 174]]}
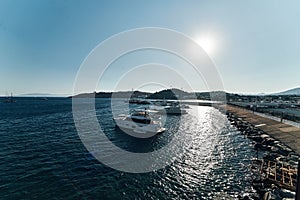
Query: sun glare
{"points": [[207, 43]]}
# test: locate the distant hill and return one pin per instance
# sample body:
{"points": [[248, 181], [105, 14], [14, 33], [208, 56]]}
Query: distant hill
{"points": [[295, 91], [122, 94], [128, 94], [169, 94]]}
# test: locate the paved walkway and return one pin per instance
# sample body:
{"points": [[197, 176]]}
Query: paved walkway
{"points": [[288, 134]]}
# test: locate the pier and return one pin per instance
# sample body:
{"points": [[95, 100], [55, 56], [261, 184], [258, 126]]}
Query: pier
{"points": [[287, 134], [279, 168]]}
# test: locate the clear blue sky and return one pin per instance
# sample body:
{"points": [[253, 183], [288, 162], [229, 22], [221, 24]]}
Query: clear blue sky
{"points": [[43, 43]]}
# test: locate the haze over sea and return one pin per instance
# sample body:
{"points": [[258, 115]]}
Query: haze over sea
{"points": [[42, 156]]}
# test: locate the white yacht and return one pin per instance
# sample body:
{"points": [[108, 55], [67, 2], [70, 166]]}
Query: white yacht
{"points": [[140, 121], [173, 108]]}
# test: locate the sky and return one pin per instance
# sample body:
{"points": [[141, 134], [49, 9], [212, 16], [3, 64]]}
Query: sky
{"points": [[254, 45]]}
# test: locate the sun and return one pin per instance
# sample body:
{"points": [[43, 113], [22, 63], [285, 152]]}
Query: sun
{"points": [[207, 43]]}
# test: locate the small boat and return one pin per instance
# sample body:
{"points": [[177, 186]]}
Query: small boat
{"points": [[173, 108], [138, 101], [141, 122], [10, 99], [133, 101]]}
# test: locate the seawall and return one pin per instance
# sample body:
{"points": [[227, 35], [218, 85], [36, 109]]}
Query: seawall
{"points": [[287, 134]]}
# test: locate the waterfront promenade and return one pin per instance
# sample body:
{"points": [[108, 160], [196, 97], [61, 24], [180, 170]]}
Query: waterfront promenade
{"points": [[287, 134]]}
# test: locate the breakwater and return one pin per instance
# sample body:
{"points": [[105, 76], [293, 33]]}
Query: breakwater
{"points": [[277, 144]]}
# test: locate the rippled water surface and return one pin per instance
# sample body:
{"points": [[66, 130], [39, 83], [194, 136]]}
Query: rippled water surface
{"points": [[42, 156]]}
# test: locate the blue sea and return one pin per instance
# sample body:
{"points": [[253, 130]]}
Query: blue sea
{"points": [[42, 156]]}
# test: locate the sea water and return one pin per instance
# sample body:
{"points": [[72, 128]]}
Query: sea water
{"points": [[42, 156]]}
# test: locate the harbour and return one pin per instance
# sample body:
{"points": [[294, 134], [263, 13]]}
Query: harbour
{"points": [[154, 100]]}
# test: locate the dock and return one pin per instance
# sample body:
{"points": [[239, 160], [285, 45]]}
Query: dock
{"points": [[279, 168], [287, 134]]}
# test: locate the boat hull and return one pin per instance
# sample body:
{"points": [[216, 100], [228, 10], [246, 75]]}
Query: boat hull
{"points": [[138, 129]]}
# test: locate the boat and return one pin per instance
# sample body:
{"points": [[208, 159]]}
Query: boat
{"points": [[133, 101], [10, 99], [140, 122], [138, 101], [173, 108]]}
